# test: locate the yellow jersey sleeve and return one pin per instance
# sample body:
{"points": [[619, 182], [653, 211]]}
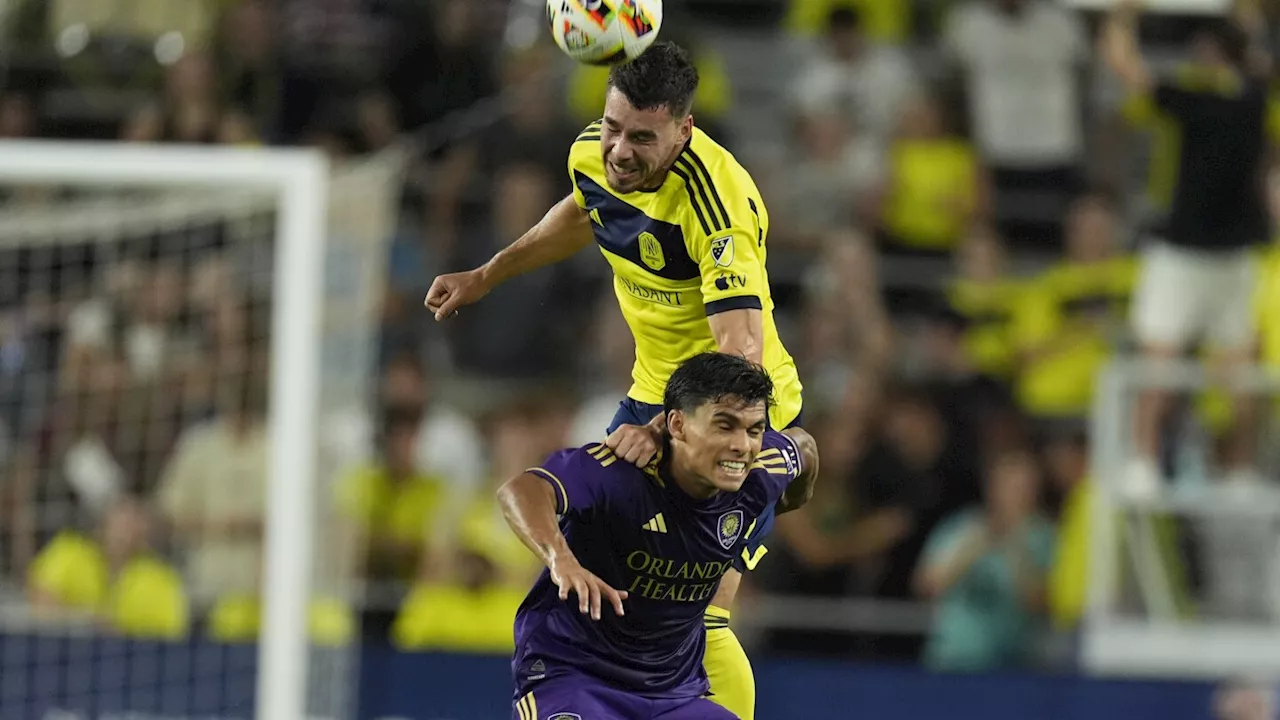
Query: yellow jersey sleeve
{"points": [[725, 235], [585, 148]]}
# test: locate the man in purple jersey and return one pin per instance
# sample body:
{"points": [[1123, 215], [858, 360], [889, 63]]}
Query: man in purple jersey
{"points": [[651, 544]]}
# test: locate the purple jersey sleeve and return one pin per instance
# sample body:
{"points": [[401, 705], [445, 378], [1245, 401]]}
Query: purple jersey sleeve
{"points": [[780, 460], [578, 476]]}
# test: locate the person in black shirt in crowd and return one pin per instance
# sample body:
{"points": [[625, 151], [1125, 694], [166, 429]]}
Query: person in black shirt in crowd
{"points": [[1197, 280]]}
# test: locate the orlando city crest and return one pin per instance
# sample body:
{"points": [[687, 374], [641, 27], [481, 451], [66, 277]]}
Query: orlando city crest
{"points": [[730, 527], [565, 716]]}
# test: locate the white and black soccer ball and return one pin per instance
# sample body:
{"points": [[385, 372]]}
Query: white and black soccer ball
{"points": [[604, 32]]}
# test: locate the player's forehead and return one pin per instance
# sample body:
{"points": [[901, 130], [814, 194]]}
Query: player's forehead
{"points": [[620, 114], [733, 409]]}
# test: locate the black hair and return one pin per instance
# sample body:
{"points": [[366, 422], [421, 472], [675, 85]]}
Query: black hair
{"points": [[716, 377], [662, 76]]}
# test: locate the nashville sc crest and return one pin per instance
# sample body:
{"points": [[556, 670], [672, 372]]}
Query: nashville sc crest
{"points": [[729, 528]]}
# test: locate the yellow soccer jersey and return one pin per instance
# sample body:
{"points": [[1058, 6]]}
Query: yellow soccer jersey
{"points": [[692, 248]]}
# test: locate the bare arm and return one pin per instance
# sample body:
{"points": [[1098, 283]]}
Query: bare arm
{"points": [[800, 490], [739, 332], [529, 506], [1120, 47], [563, 231]]}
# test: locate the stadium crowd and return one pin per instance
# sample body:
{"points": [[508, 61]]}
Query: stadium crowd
{"points": [[957, 217]]}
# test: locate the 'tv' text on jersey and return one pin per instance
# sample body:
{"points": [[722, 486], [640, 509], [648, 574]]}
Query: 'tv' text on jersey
{"points": [[639, 532], [693, 247]]}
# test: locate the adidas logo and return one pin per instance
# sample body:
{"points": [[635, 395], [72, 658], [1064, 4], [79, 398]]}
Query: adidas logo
{"points": [[655, 524], [538, 666]]}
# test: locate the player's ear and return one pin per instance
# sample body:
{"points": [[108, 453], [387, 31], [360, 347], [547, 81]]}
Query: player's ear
{"points": [[675, 424]]}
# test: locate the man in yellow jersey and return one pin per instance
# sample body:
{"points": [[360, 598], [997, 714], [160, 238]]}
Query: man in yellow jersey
{"points": [[683, 226]]}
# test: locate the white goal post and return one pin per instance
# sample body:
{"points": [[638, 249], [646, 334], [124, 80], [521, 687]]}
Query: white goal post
{"points": [[299, 180]]}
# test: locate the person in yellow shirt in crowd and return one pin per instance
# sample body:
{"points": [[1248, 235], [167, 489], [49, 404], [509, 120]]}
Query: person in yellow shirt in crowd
{"points": [[1070, 314], [390, 503], [114, 578], [986, 297], [935, 186], [472, 608], [886, 21]]}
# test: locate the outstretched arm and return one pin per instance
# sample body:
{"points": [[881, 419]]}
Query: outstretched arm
{"points": [[800, 490], [529, 505], [563, 231], [1120, 47]]}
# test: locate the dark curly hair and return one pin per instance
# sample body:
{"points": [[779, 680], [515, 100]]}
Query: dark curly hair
{"points": [[662, 76], [716, 377]]}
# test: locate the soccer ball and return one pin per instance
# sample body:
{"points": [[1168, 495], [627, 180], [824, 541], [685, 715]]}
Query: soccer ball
{"points": [[604, 32]]}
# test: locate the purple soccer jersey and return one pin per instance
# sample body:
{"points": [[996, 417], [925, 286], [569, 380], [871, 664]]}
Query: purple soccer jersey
{"points": [[639, 532]]}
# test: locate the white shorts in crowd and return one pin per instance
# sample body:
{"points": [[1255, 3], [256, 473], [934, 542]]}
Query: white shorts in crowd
{"points": [[1187, 296]]}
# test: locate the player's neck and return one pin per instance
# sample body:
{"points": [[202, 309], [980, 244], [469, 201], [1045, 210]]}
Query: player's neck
{"points": [[680, 471]]}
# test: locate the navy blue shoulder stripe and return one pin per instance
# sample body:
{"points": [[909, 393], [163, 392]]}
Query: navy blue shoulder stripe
{"points": [[710, 185]]}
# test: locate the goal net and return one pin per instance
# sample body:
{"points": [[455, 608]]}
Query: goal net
{"points": [[1187, 585], [175, 325]]}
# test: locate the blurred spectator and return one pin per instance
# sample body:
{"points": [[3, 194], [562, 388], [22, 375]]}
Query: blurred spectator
{"points": [[867, 83], [608, 371], [1021, 63], [521, 435], [377, 120], [448, 444], [934, 185], [986, 568], [1071, 314], [213, 491], [391, 502], [923, 469], [1198, 279], [114, 577], [470, 606], [69, 469], [473, 614], [838, 545], [886, 21], [442, 67], [1067, 465], [538, 311], [820, 191], [190, 110], [848, 338], [986, 297], [536, 132], [249, 65]]}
